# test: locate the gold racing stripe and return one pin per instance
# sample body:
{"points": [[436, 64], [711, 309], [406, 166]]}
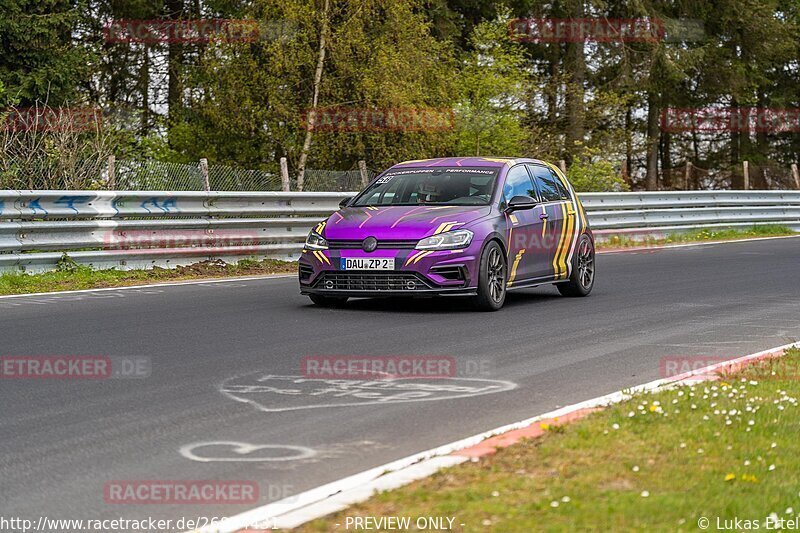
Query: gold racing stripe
{"points": [[446, 226], [416, 256], [423, 254], [514, 267], [575, 204], [322, 257], [569, 239], [544, 222], [561, 239]]}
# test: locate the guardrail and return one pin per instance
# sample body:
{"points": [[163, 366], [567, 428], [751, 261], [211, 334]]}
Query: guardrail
{"points": [[142, 229]]}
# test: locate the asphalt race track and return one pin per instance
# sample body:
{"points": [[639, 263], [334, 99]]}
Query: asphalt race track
{"points": [[61, 441]]}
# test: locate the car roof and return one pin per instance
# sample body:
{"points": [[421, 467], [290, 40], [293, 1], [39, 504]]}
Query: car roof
{"points": [[489, 161]]}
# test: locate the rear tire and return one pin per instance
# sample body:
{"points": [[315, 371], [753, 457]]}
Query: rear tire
{"points": [[581, 279], [492, 277], [328, 301]]}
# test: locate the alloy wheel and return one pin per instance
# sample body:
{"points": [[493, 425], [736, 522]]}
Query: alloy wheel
{"points": [[497, 275], [586, 264]]}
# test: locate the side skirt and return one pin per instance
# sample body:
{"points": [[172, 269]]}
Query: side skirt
{"points": [[527, 284]]}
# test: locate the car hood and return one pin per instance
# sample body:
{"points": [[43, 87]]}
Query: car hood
{"points": [[400, 222]]}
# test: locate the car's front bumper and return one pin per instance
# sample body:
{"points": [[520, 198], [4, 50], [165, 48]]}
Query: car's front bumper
{"points": [[440, 273]]}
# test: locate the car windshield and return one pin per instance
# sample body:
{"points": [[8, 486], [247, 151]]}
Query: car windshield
{"points": [[435, 185]]}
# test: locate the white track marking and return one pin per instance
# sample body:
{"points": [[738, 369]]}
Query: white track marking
{"points": [[314, 399], [335, 496], [243, 451]]}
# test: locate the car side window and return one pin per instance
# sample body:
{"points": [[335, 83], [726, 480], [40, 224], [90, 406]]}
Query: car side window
{"points": [[546, 182], [563, 190], [518, 183]]}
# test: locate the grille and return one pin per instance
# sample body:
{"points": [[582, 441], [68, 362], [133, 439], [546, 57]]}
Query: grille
{"points": [[373, 281], [353, 244]]}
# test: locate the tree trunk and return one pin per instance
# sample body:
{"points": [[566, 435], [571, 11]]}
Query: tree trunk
{"points": [[575, 66], [629, 143], [174, 12], [651, 179], [737, 179], [666, 160], [144, 89], [762, 142], [301, 165]]}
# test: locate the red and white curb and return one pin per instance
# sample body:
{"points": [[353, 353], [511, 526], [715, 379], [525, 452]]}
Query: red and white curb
{"points": [[338, 495]]}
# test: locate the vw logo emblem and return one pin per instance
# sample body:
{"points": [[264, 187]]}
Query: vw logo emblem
{"points": [[369, 244]]}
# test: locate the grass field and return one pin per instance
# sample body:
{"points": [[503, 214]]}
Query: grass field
{"points": [[74, 277], [700, 235], [723, 450]]}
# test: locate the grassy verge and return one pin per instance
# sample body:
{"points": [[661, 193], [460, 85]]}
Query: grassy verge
{"points": [[658, 462], [73, 277], [704, 235]]}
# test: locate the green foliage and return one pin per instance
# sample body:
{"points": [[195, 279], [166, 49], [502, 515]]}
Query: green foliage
{"points": [[591, 173], [491, 89], [40, 61], [243, 103], [67, 264]]}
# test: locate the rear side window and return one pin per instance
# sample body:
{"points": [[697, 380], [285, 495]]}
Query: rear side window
{"points": [[563, 190], [518, 183], [548, 184]]}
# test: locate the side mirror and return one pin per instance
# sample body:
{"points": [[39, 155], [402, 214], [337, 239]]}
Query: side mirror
{"points": [[520, 202], [344, 203]]}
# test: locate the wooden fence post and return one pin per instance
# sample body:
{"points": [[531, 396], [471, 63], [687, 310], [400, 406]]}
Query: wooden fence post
{"points": [[746, 171], [687, 174], [796, 175], [112, 172], [285, 184], [362, 168], [204, 173]]}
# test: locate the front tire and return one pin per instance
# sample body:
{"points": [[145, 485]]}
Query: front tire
{"points": [[328, 301], [492, 278], [581, 279]]}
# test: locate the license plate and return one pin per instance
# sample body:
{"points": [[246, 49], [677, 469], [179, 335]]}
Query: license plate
{"points": [[363, 263]]}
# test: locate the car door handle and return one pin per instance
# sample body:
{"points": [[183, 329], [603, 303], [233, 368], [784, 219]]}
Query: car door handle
{"points": [[544, 216]]}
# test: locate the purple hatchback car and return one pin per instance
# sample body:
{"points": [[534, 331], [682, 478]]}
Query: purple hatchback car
{"points": [[475, 226]]}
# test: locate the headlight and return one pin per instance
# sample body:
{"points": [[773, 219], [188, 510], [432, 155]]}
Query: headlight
{"points": [[315, 241], [449, 240]]}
